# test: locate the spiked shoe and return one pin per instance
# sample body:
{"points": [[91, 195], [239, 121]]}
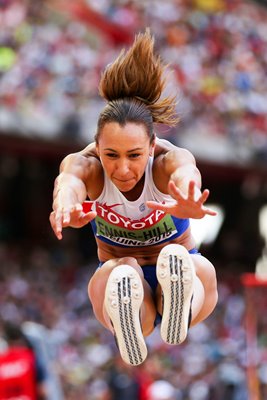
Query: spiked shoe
{"points": [[123, 299], [175, 274]]}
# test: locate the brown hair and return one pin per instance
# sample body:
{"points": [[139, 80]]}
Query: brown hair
{"points": [[133, 85]]}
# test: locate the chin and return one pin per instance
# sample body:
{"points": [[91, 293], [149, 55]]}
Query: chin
{"points": [[125, 187]]}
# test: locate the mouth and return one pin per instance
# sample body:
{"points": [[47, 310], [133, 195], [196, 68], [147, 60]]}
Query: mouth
{"points": [[123, 180]]}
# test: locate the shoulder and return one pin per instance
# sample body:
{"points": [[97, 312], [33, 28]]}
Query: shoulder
{"points": [[85, 166], [168, 157]]}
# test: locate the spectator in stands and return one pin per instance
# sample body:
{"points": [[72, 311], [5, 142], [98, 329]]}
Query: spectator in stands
{"points": [[21, 372], [162, 390]]}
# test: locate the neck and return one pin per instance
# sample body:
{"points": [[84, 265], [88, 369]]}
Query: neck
{"points": [[135, 193]]}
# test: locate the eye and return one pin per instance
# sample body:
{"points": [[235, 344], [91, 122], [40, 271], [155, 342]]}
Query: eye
{"points": [[111, 155], [134, 155]]}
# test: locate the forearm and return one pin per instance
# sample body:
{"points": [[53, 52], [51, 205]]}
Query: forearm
{"points": [[184, 185], [68, 190], [182, 176]]}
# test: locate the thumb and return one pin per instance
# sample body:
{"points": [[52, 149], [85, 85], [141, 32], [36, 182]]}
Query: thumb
{"points": [[91, 214], [88, 217], [155, 206]]}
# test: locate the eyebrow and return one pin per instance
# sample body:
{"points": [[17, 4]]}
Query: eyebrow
{"points": [[129, 151]]}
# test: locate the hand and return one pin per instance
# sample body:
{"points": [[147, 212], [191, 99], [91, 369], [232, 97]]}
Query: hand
{"points": [[73, 217], [185, 206]]}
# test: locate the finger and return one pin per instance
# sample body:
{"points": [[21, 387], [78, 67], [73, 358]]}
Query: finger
{"points": [[175, 191], [89, 216], [58, 230], [56, 223], [58, 235], [74, 211], [92, 214], [172, 186], [204, 196], [52, 221], [66, 218], [157, 206], [209, 211], [191, 190], [77, 207]]}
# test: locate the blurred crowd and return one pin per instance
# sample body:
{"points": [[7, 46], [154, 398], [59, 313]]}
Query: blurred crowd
{"points": [[50, 65], [47, 289]]}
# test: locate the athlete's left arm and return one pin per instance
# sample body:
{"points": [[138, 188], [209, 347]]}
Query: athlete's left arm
{"points": [[184, 185]]}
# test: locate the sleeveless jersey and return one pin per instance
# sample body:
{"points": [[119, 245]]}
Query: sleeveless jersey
{"points": [[121, 222]]}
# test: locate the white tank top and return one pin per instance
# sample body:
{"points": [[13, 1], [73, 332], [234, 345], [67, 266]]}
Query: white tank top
{"points": [[122, 222], [133, 209]]}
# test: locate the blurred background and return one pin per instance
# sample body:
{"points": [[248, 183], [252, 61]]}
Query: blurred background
{"points": [[51, 57]]}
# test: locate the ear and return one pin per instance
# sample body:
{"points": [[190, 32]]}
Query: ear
{"points": [[152, 147], [97, 149]]}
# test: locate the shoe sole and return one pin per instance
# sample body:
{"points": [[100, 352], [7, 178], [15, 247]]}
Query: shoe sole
{"points": [[123, 298], [175, 274]]}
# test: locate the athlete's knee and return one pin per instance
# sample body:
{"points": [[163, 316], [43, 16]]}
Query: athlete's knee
{"points": [[98, 281], [211, 281], [207, 275], [128, 261], [92, 288], [132, 262], [147, 330], [205, 271], [110, 264]]}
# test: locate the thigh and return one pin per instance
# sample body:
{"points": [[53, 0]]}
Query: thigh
{"points": [[207, 275], [205, 271]]}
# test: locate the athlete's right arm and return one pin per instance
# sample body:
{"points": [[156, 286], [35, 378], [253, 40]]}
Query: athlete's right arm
{"points": [[70, 191]]}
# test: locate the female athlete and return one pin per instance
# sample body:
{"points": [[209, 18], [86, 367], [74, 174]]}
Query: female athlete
{"points": [[142, 190]]}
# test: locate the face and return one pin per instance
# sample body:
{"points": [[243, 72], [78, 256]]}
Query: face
{"points": [[124, 152]]}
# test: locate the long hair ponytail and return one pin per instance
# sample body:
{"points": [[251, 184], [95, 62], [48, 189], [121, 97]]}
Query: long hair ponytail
{"points": [[133, 85]]}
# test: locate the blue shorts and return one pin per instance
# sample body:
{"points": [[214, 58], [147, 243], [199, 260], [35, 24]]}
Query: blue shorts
{"points": [[150, 272]]}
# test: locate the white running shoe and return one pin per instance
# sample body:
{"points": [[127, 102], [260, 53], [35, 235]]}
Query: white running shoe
{"points": [[175, 274], [123, 298]]}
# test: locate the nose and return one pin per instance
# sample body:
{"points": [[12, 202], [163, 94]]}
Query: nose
{"points": [[123, 167]]}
